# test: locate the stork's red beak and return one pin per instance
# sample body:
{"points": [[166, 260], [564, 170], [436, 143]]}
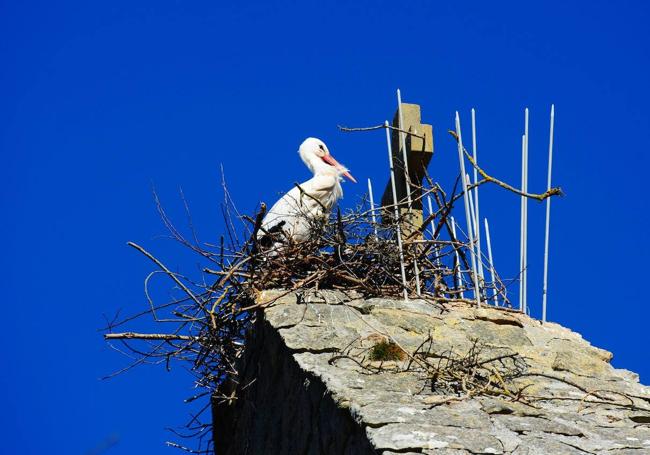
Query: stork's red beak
{"points": [[329, 159]]}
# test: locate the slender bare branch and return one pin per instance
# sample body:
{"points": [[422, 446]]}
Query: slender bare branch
{"points": [[147, 336], [540, 197]]}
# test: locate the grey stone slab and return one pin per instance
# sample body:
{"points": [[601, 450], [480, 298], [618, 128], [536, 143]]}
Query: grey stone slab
{"points": [[401, 436], [532, 445], [409, 411], [536, 424], [492, 405], [284, 316]]}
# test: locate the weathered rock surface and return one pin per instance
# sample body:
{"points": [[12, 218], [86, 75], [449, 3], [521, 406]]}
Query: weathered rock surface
{"points": [[295, 397]]}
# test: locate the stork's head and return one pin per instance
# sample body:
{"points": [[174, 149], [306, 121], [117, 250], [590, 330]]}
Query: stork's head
{"points": [[316, 156]]}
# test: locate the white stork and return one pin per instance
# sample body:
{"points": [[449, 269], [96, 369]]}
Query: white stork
{"points": [[291, 217]]}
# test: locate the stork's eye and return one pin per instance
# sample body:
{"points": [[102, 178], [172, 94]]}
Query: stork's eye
{"points": [[321, 147]]}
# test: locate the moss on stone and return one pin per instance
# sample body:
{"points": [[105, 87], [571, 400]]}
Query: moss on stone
{"points": [[386, 350]]}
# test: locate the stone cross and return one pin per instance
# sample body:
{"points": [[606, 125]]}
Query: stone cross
{"points": [[419, 150]]}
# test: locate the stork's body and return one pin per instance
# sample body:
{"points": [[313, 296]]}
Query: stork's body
{"points": [[292, 217]]}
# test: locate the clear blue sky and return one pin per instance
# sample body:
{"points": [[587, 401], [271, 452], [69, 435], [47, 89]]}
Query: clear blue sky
{"points": [[100, 99]]}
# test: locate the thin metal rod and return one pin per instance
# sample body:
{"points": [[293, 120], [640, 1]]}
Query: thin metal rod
{"points": [[472, 211], [459, 276], [397, 226], [430, 207], [372, 208], [409, 201], [477, 217], [548, 214], [492, 273], [521, 230], [436, 247], [525, 276], [468, 216]]}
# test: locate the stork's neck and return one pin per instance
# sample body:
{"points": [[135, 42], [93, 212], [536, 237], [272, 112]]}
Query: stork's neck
{"points": [[319, 167]]}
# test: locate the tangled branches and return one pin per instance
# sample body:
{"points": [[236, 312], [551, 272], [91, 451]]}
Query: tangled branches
{"points": [[449, 374], [468, 374]]}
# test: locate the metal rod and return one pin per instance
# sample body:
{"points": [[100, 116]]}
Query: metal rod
{"points": [[459, 277], [548, 215], [492, 272], [402, 137], [436, 248], [372, 208], [468, 216], [474, 226], [527, 310], [397, 226], [430, 207], [521, 230], [477, 217]]}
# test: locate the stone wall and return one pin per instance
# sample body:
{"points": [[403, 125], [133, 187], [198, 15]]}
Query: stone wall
{"points": [[296, 397], [282, 409]]}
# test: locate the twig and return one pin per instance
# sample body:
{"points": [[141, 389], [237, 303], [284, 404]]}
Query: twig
{"points": [[540, 197], [345, 129], [167, 271], [147, 336]]}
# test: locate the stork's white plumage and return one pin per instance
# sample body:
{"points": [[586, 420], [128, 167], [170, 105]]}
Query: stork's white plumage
{"points": [[292, 216]]}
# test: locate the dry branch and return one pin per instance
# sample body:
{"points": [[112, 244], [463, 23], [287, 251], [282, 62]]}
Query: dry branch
{"points": [[147, 336], [540, 197], [345, 129]]}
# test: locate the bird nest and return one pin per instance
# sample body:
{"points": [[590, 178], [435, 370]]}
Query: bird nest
{"points": [[351, 252]]}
